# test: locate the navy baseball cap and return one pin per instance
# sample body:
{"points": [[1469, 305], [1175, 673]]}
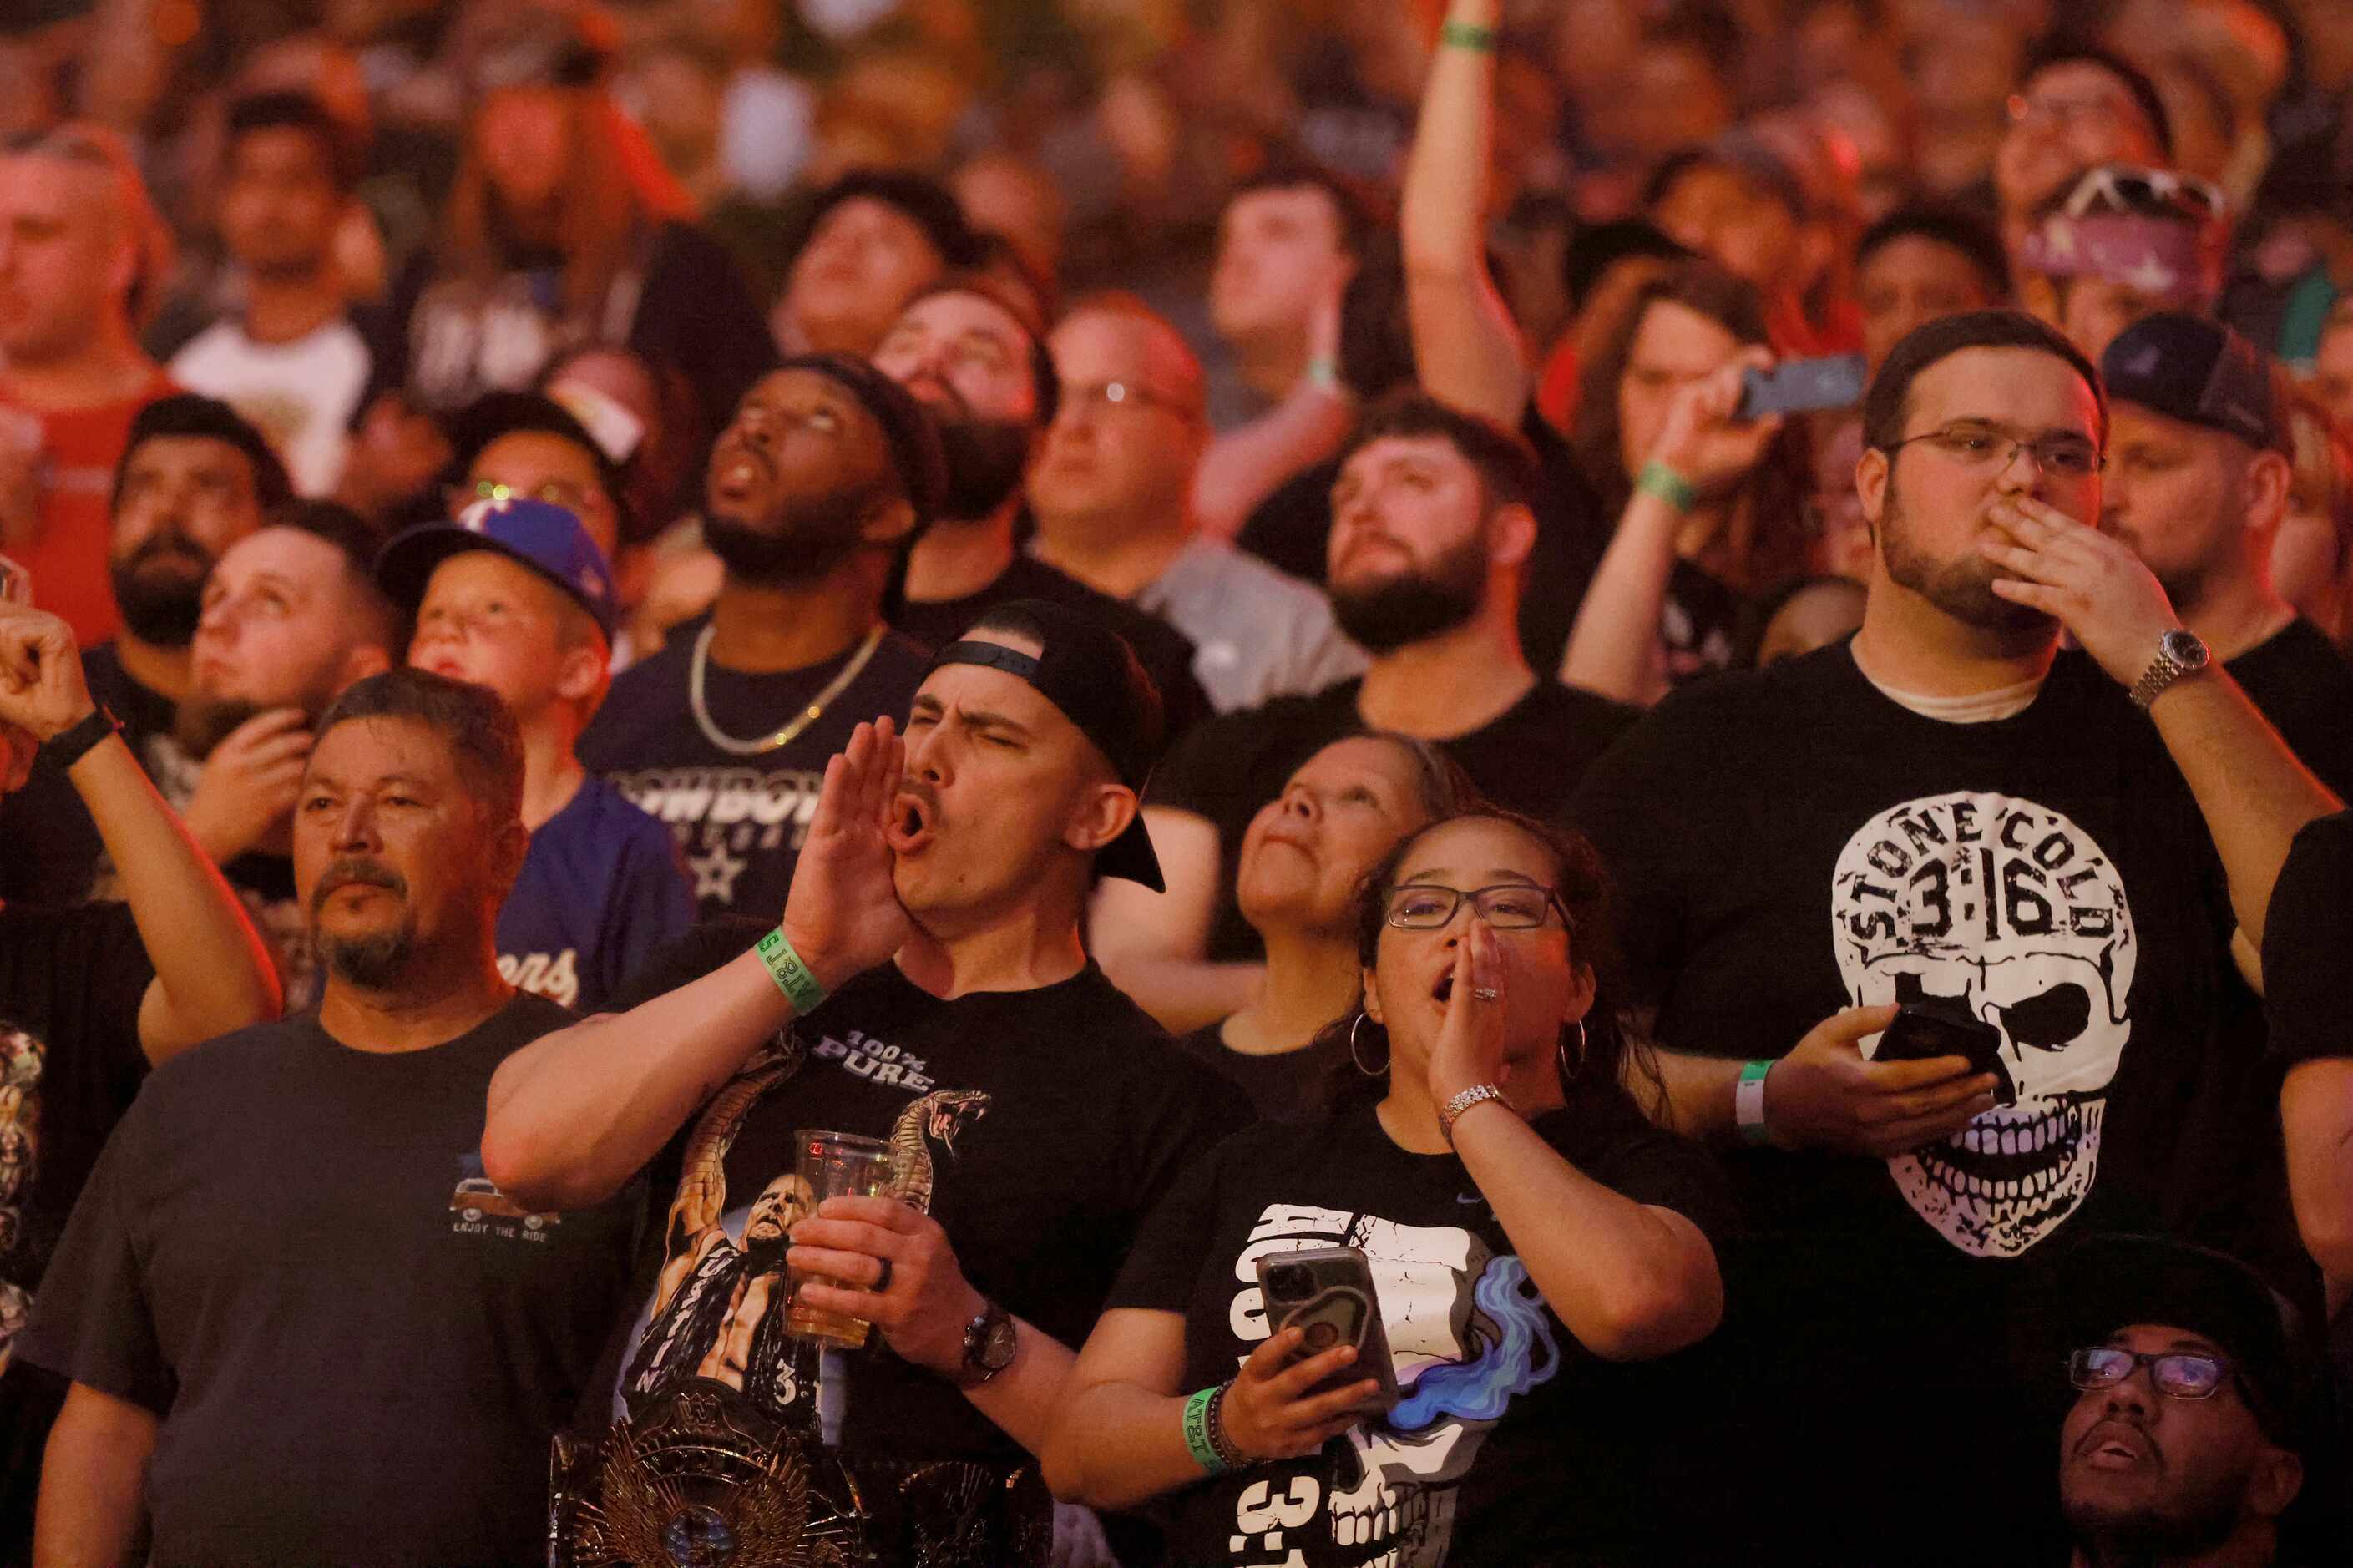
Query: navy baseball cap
{"points": [[2199, 372], [542, 535]]}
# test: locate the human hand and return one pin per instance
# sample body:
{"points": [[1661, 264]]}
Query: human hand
{"points": [[2091, 582], [1469, 1050], [1704, 440], [928, 1303], [250, 783], [842, 914], [41, 685], [1269, 1414], [1824, 1095]]}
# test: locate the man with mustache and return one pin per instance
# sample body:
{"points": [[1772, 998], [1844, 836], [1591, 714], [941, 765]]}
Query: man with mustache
{"points": [[1432, 533], [287, 1280], [195, 479], [977, 360], [2181, 1449], [816, 490]]}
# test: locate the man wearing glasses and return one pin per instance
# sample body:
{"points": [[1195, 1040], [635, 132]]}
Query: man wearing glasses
{"points": [[2048, 849], [2075, 107], [2181, 1445]]}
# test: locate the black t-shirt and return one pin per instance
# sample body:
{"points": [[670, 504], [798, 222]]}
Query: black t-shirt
{"points": [[1036, 1127], [739, 821], [71, 982], [1529, 759], [1165, 653], [1283, 1086], [1792, 842], [1513, 1443], [359, 1347], [2309, 944], [2304, 687], [1292, 529], [50, 848]]}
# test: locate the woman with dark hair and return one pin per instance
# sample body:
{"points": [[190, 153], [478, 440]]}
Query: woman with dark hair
{"points": [[1523, 1224], [1709, 507], [1304, 861]]}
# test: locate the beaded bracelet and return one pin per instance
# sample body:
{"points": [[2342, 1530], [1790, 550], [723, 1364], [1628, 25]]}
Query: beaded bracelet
{"points": [[1220, 1439]]}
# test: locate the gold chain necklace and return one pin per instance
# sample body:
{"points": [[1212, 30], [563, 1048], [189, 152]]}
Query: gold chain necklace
{"points": [[802, 721]]}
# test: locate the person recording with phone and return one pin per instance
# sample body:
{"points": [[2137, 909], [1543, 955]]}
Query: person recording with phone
{"points": [[1518, 1223]]}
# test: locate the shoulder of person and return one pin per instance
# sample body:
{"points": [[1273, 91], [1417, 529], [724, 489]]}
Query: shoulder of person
{"points": [[526, 1016], [258, 1051], [1586, 709]]}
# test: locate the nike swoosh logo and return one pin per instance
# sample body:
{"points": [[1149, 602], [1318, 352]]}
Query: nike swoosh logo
{"points": [[1469, 1198]]}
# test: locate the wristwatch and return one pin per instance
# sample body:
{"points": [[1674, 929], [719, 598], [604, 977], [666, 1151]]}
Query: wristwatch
{"points": [[2178, 654], [989, 1342]]}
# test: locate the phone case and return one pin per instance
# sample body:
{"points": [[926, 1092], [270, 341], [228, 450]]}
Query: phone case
{"points": [[1921, 1034], [1328, 1291], [1802, 386]]}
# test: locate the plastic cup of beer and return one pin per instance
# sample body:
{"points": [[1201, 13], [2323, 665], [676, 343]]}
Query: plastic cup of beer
{"points": [[837, 1165]]}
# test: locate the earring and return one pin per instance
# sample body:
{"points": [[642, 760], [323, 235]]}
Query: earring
{"points": [[1357, 1056], [1560, 1055]]}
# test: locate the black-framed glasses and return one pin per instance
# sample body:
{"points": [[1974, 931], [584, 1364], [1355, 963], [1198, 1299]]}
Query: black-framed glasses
{"points": [[1506, 906], [1982, 444], [2178, 1374]]}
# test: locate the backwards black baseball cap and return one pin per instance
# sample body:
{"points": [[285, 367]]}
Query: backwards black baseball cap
{"points": [[2199, 372], [1090, 672]]}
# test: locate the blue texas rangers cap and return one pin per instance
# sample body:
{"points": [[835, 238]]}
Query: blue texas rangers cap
{"points": [[542, 535]]}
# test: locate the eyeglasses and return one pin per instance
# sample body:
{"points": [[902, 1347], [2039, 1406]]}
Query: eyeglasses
{"points": [[571, 498], [2178, 1374], [1507, 906], [1981, 443], [1097, 396]]}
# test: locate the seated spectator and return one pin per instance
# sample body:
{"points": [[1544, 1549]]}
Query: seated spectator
{"points": [[293, 1179], [2182, 1446], [91, 995], [291, 357], [1539, 1240], [1709, 507], [2312, 556], [1918, 263], [87, 260], [2123, 243], [195, 479], [874, 240], [813, 494], [1111, 497], [1432, 529], [2076, 108], [514, 595], [1304, 861]]}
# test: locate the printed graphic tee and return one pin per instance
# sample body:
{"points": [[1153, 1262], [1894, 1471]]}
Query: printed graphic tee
{"points": [[1037, 1127], [599, 890], [739, 821], [300, 394], [1513, 1443], [358, 1346]]}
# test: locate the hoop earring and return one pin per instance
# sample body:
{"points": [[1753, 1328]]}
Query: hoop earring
{"points": [[1560, 1056], [1357, 1056]]}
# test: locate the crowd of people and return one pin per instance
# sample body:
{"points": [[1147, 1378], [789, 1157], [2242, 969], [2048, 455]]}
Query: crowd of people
{"points": [[1552, 781]]}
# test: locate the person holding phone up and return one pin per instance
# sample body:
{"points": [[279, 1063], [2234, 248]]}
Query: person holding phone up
{"points": [[1522, 1225]]}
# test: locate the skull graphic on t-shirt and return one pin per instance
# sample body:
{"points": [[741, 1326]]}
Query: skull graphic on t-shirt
{"points": [[2007, 909]]}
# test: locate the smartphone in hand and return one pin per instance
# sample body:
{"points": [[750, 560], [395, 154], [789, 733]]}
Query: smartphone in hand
{"points": [[1327, 1291], [1802, 386], [1922, 1033]]}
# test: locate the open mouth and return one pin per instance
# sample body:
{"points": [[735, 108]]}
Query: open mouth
{"points": [[912, 823], [2113, 1446], [1444, 990], [735, 472]]}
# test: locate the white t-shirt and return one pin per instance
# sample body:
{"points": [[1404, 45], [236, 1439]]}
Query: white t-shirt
{"points": [[299, 394]]}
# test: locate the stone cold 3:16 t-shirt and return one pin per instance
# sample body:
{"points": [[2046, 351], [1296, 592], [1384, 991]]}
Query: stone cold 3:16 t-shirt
{"points": [[739, 821]]}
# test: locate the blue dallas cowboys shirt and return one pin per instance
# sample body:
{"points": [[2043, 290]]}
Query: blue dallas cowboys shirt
{"points": [[599, 890]]}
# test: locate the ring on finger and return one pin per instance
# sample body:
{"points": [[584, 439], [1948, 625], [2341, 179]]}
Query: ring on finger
{"points": [[882, 1286], [1485, 993]]}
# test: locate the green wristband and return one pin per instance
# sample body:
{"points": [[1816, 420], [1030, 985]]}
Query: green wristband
{"points": [[1657, 479], [792, 976], [1748, 1102], [1196, 1432], [1466, 36]]}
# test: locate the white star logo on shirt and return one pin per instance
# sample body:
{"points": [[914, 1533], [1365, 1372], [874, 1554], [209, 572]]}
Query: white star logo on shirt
{"points": [[715, 874]]}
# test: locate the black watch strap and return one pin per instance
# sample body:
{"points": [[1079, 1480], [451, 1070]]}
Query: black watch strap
{"points": [[68, 747]]}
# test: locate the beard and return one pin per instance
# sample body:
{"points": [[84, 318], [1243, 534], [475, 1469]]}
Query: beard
{"points": [[986, 461], [204, 722], [1962, 588], [374, 961], [2191, 1526], [1386, 613], [160, 588], [807, 538]]}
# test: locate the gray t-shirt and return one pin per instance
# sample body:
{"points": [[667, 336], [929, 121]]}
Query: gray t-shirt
{"points": [[1257, 633], [358, 1346]]}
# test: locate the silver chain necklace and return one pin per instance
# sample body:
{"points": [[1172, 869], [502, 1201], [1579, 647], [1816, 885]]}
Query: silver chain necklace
{"points": [[802, 721]]}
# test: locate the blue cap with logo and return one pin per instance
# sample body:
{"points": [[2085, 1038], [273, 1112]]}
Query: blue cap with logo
{"points": [[542, 535]]}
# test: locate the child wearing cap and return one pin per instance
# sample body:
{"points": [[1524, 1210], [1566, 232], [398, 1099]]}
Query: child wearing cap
{"points": [[514, 595]]}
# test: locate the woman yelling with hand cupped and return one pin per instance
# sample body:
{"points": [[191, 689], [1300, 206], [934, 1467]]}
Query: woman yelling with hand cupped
{"points": [[1527, 1231]]}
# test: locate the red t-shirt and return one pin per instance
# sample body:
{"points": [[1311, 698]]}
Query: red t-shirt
{"points": [[66, 555]]}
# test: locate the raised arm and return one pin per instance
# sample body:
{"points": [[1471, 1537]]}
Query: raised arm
{"points": [[1245, 466], [213, 972], [1466, 348], [1154, 946], [93, 1481], [575, 1114], [2253, 794]]}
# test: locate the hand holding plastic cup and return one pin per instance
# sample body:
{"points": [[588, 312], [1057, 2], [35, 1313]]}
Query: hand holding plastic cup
{"points": [[837, 1165]]}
